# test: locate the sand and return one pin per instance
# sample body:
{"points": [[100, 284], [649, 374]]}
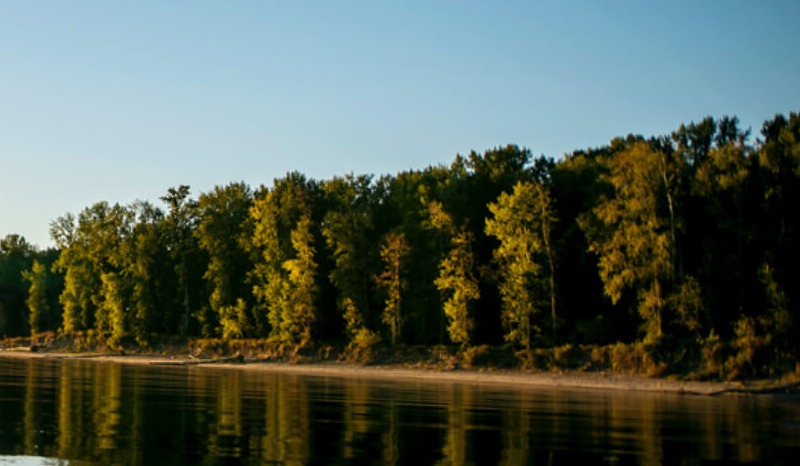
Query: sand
{"points": [[566, 380]]}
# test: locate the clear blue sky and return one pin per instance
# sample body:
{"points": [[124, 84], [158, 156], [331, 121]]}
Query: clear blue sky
{"points": [[119, 101]]}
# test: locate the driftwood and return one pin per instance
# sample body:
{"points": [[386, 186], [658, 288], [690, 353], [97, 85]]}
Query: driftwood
{"points": [[21, 348], [791, 387], [192, 362], [77, 356]]}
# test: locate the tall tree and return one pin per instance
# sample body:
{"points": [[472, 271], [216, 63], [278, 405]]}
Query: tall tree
{"points": [[299, 314], [393, 252], [347, 227], [267, 277], [719, 226], [91, 245], [631, 233], [148, 272], [38, 301], [220, 234], [112, 306], [184, 253], [456, 280], [779, 226], [521, 221], [283, 247], [16, 256]]}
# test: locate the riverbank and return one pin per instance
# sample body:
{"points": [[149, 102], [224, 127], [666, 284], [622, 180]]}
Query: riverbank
{"points": [[577, 380]]}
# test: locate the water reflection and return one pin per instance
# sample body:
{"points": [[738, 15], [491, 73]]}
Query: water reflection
{"points": [[101, 413]]}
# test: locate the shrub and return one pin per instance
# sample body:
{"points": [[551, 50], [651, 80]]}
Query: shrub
{"points": [[752, 349], [712, 363], [362, 347], [600, 357], [535, 359], [638, 358], [475, 355]]}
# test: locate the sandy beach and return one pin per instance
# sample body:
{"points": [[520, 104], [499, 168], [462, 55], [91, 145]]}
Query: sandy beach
{"points": [[566, 379]]}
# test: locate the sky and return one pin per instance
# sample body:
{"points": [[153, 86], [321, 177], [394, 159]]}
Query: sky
{"points": [[119, 101]]}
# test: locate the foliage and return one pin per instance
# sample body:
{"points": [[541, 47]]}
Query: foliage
{"points": [[363, 346], [112, 310], [299, 314], [221, 216], [38, 304], [234, 320], [346, 228], [521, 223], [681, 251], [284, 277], [631, 235], [393, 251], [456, 280]]}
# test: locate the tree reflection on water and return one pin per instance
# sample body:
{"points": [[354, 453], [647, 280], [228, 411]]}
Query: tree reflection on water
{"points": [[102, 413]]}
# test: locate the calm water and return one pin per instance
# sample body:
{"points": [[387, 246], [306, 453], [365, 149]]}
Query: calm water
{"points": [[89, 413]]}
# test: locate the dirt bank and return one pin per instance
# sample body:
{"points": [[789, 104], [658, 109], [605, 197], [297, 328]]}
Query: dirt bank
{"points": [[563, 379]]}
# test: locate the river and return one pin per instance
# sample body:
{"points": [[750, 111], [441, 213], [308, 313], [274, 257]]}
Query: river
{"points": [[80, 412]]}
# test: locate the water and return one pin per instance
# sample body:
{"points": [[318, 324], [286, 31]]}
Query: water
{"points": [[82, 412]]}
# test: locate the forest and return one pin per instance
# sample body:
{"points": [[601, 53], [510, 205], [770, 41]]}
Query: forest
{"points": [[681, 247]]}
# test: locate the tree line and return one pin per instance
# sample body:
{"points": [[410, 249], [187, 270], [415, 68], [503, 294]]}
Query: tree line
{"points": [[686, 237]]}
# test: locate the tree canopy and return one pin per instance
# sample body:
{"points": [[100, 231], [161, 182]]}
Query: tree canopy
{"points": [[686, 237]]}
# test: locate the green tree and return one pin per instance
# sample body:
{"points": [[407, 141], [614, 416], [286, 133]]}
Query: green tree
{"points": [[521, 221], [778, 231], [632, 236], [269, 287], [393, 251], [91, 245], [185, 255], [300, 312], [283, 247], [220, 234], [347, 227], [456, 280], [146, 273], [73, 298], [113, 308], [718, 244], [16, 256], [38, 301]]}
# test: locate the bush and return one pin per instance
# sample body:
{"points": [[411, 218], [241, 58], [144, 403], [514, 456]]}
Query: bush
{"points": [[363, 345], [712, 362], [571, 357], [535, 359], [600, 357], [475, 356], [638, 358], [752, 351]]}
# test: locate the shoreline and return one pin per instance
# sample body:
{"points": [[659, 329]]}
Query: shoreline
{"points": [[573, 380]]}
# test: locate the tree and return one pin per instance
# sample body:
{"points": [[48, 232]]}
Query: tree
{"points": [[521, 221], [184, 253], [633, 238], [347, 226], [456, 280], [220, 234], [393, 252], [38, 302], [269, 287], [719, 227], [282, 244], [112, 307], [62, 231], [778, 173], [299, 313], [91, 246], [16, 256]]}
